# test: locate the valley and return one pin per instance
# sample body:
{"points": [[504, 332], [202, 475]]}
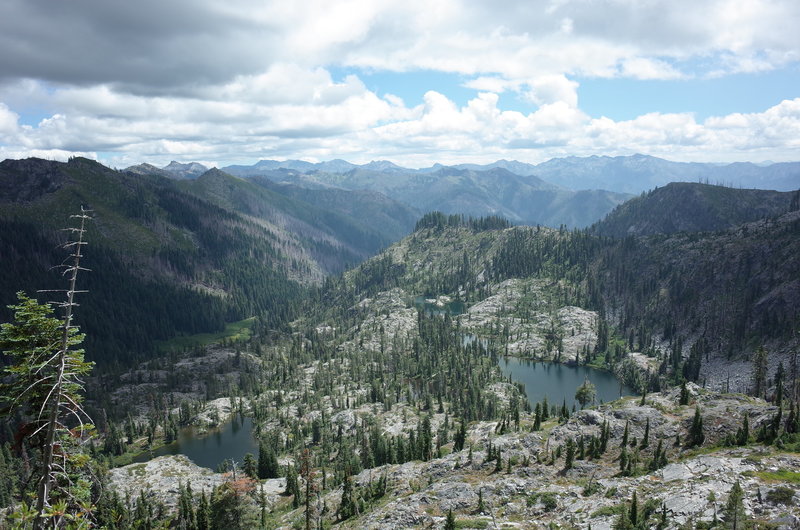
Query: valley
{"points": [[389, 394]]}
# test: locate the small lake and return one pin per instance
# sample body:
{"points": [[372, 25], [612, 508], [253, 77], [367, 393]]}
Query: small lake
{"points": [[231, 441], [452, 308], [560, 381]]}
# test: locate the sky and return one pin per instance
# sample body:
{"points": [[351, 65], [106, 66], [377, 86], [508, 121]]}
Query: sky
{"points": [[412, 81]]}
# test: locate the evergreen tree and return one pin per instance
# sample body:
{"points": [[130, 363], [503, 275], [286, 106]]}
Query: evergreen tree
{"points": [[570, 456], [460, 437], [760, 372], [450, 522], [624, 442], [696, 435], [743, 433], [684, 397], [249, 466], [586, 393], [292, 487], [203, 515], [348, 506], [646, 437], [734, 514], [268, 466]]}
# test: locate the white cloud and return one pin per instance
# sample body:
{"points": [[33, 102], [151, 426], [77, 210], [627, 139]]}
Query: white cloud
{"points": [[649, 68], [8, 121], [247, 79]]}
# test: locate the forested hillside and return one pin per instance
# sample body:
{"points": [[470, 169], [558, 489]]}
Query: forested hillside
{"points": [[692, 207], [227, 248], [694, 295]]}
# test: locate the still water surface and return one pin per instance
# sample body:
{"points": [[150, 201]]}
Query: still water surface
{"points": [[230, 442], [560, 381]]}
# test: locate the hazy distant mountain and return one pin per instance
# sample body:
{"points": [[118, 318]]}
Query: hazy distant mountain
{"points": [[519, 168], [637, 173], [627, 174], [265, 167], [371, 209], [150, 169], [185, 171], [497, 191], [691, 207]]}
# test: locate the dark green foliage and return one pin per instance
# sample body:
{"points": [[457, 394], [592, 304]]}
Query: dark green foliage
{"points": [[250, 466], [203, 514], [734, 514], [439, 221], [292, 485], [450, 521], [659, 459], [684, 396], [646, 437], [187, 517], [743, 433], [460, 437], [624, 442], [781, 495], [586, 393], [760, 372], [267, 461], [230, 508], [696, 436], [348, 507], [569, 459]]}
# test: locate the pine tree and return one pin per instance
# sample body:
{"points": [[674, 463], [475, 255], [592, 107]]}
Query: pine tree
{"points": [[450, 522], [267, 461], [624, 442], [743, 433], [203, 512], [760, 372], [249, 466], [292, 487], [696, 436], [460, 437], [684, 398], [646, 437], [348, 506], [570, 456], [734, 514]]}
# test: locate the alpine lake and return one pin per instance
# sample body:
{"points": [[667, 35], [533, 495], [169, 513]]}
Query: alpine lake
{"points": [[558, 382]]}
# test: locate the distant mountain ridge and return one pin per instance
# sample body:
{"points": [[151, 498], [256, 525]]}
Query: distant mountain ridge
{"points": [[693, 207], [496, 191], [626, 174]]}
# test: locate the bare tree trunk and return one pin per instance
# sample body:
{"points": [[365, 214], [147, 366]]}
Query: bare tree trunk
{"points": [[56, 396]]}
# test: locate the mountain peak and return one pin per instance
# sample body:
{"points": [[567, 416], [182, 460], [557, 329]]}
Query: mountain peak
{"points": [[188, 171]]}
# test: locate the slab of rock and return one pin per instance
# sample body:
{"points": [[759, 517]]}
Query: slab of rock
{"points": [[161, 478]]}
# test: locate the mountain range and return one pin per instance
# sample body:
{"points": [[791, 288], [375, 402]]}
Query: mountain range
{"points": [[625, 174]]}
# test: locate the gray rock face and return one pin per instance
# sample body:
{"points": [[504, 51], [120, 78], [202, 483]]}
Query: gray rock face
{"points": [[27, 180], [161, 478]]}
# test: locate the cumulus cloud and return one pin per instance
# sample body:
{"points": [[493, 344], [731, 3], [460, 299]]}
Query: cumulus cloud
{"points": [[243, 79]]}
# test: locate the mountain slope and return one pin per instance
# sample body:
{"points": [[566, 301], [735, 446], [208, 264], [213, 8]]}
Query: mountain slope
{"points": [[496, 191], [226, 247], [722, 294], [688, 207], [371, 210]]}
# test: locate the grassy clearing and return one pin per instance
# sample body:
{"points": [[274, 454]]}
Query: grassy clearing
{"points": [[782, 475], [235, 331]]}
